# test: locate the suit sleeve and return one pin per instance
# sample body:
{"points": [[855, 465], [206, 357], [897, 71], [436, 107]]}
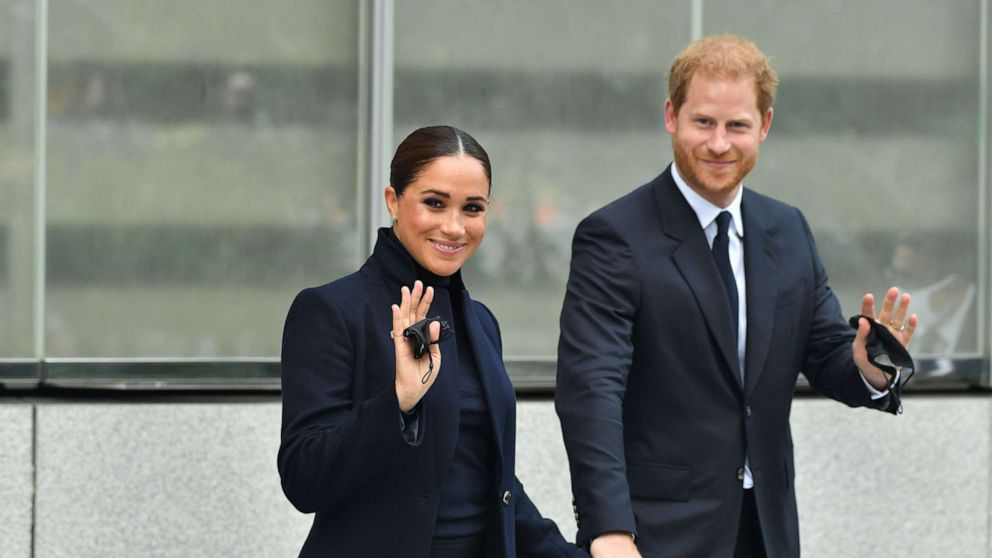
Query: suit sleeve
{"points": [[828, 361], [331, 446], [595, 352]]}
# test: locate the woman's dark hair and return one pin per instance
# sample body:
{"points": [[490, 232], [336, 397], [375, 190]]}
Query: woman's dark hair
{"points": [[426, 144]]}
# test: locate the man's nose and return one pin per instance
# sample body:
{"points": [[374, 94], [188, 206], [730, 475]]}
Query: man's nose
{"points": [[718, 142]]}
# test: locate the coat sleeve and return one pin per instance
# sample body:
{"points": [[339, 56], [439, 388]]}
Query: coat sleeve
{"points": [[331, 446], [535, 535], [538, 537], [828, 361], [595, 351]]}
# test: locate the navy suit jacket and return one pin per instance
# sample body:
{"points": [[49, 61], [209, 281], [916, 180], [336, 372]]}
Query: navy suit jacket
{"points": [[343, 455], [655, 418]]}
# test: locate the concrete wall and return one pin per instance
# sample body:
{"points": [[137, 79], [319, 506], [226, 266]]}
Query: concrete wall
{"points": [[16, 480], [189, 479]]}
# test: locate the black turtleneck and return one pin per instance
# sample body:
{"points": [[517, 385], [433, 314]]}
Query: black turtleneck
{"points": [[466, 493]]}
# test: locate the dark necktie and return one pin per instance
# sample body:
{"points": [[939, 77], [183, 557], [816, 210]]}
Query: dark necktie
{"points": [[721, 253]]}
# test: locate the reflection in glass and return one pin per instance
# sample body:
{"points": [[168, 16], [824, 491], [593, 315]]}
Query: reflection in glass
{"points": [[201, 171], [17, 247], [566, 97], [875, 139]]}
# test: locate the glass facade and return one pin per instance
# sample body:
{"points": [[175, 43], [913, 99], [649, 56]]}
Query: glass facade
{"points": [[203, 162], [17, 170], [876, 139], [201, 168]]}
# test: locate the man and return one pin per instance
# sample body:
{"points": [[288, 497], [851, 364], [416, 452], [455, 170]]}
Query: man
{"points": [[692, 305]]}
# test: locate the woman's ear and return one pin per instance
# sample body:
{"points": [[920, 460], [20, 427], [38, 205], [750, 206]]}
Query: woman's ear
{"points": [[392, 202]]}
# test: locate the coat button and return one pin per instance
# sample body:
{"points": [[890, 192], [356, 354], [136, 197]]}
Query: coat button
{"points": [[740, 474], [747, 411], [506, 498]]}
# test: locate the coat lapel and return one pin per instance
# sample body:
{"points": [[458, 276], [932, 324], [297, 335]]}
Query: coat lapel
{"points": [[492, 374], [695, 262], [760, 272]]}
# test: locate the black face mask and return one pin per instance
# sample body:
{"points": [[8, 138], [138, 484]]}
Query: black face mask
{"points": [[887, 353], [419, 336]]}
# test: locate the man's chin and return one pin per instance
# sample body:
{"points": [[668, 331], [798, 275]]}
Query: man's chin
{"points": [[719, 187]]}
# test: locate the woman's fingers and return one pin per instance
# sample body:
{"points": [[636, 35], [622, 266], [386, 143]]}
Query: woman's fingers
{"points": [[425, 304], [405, 301], [415, 297], [397, 332]]}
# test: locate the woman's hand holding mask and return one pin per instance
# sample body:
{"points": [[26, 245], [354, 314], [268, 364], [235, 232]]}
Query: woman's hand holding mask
{"points": [[411, 372]]}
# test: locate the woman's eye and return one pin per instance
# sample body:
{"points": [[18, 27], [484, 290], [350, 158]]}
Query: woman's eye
{"points": [[474, 208], [432, 202]]}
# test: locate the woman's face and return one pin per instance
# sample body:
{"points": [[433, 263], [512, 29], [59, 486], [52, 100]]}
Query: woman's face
{"points": [[441, 216]]}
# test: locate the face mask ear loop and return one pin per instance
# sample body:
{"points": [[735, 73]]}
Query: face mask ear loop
{"points": [[419, 335]]}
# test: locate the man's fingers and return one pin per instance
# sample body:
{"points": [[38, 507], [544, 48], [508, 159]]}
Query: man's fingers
{"points": [[868, 305], [910, 328], [888, 304], [861, 339], [899, 318]]}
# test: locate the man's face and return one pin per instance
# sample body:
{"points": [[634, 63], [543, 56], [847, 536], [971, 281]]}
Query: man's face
{"points": [[716, 134]]}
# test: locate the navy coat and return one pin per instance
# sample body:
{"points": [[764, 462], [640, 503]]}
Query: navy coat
{"points": [[655, 418], [343, 455]]}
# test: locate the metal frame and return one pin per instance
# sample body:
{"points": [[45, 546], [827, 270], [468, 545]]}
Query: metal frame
{"points": [[529, 375]]}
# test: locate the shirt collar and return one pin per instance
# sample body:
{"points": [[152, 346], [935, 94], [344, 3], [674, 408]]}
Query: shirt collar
{"points": [[705, 210]]}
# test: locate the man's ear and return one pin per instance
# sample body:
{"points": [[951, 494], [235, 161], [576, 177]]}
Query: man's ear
{"points": [[766, 123], [671, 123]]}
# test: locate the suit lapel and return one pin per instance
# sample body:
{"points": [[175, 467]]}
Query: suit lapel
{"points": [[760, 272], [695, 262]]}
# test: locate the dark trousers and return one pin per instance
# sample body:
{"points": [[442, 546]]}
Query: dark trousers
{"points": [[749, 542]]}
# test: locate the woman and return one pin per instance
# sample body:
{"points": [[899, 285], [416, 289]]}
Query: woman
{"points": [[402, 456]]}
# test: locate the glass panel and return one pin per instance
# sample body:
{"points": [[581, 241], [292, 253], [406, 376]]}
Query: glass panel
{"points": [[17, 109], [875, 138], [566, 96], [201, 170]]}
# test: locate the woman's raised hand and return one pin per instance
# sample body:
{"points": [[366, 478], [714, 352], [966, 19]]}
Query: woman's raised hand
{"points": [[412, 372]]}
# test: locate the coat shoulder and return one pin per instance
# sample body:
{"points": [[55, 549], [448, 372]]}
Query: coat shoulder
{"points": [[340, 294]]}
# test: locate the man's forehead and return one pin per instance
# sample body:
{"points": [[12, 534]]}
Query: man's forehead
{"points": [[727, 89]]}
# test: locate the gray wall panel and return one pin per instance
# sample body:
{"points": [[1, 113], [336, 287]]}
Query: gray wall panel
{"points": [[876, 485], [162, 480], [16, 483], [200, 479]]}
